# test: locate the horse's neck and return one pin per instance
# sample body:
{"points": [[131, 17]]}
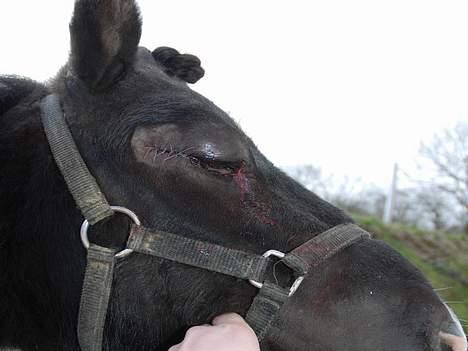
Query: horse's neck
{"points": [[37, 250]]}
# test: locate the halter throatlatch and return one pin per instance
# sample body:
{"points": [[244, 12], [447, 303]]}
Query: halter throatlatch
{"points": [[99, 272]]}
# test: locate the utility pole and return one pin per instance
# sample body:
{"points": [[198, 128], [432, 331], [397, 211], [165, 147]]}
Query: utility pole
{"points": [[389, 204]]}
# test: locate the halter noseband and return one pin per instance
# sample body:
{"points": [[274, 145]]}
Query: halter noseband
{"points": [[98, 278]]}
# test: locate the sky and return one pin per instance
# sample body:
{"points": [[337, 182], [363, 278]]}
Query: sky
{"points": [[348, 86]]}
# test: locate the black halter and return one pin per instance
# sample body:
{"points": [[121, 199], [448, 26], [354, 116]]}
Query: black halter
{"points": [[98, 279]]}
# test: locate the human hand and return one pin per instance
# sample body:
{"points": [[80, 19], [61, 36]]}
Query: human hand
{"points": [[228, 332]]}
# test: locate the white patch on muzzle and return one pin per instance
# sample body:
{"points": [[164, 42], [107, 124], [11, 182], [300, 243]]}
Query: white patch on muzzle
{"points": [[455, 337]]}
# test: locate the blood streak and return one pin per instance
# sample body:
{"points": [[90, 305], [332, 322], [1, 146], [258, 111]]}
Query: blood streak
{"points": [[258, 210], [242, 182], [265, 219]]}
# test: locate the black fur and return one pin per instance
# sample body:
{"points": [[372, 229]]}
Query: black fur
{"points": [[183, 166], [184, 66], [13, 90]]}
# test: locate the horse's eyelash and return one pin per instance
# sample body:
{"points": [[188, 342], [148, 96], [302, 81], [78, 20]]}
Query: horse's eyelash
{"points": [[216, 167]]}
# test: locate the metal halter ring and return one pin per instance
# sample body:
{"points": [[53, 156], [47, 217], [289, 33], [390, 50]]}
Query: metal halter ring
{"points": [[85, 226], [280, 255]]}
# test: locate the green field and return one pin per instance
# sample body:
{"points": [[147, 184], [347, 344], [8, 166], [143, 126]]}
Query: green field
{"points": [[442, 257]]}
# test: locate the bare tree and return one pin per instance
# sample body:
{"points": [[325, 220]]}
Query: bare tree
{"points": [[309, 176], [434, 206], [350, 194], [448, 154]]}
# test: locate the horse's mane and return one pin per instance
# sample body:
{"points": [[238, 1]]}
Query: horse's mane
{"points": [[29, 184], [20, 135], [15, 89]]}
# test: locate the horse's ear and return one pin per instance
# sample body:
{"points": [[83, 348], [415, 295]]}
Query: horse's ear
{"points": [[104, 40], [184, 66]]}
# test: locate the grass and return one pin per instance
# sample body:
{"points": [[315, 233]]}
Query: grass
{"points": [[442, 257]]}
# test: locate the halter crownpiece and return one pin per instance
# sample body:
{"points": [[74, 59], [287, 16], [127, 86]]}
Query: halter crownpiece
{"points": [[99, 272]]}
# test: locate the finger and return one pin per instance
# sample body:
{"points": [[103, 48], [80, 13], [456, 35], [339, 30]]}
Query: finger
{"points": [[175, 347], [229, 318]]}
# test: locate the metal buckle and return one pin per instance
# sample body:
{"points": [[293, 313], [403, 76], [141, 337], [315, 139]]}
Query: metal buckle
{"points": [[85, 226], [280, 255]]}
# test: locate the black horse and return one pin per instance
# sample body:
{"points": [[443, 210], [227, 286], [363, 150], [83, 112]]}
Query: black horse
{"points": [[178, 161]]}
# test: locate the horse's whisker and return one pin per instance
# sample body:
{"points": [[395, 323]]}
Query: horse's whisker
{"points": [[449, 302], [441, 289]]}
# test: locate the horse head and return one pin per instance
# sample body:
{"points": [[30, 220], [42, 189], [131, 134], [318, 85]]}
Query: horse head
{"points": [[183, 166]]}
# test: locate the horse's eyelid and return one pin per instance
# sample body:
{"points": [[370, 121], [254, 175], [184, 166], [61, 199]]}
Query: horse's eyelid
{"points": [[197, 158]]}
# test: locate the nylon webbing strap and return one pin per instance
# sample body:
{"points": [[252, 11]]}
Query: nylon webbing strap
{"points": [[197, 253], [81, 183], [95, 297], [323, 246], [264, 308], [270, 298]]}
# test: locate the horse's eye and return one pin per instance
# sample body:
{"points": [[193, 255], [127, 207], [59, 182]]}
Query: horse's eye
{"points": [[217, 154], [216, 167]]}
